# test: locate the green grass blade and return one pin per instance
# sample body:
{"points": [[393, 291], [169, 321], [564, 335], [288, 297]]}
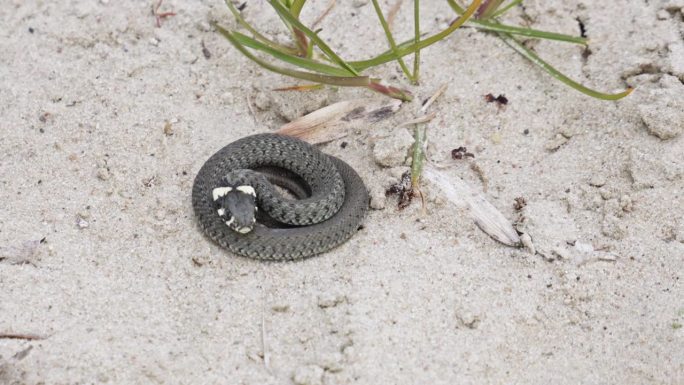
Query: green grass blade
{"points": [[299, 36], [285, 14], [418, 155], [488, 8], [390, 39], [456, 7], [254, 32], [305, 63], [506, 8], [495, 27], [534, 58], [416, 39], [296, 7], [411, 46], [344, 81], [531, 56]]}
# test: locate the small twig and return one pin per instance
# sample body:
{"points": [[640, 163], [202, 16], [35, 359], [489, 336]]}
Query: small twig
{"points": [[324, 14], [420, 119], [18, 336], [480, 173], [264, 346], [159, 16], [251, 109], [434, 97], [393, 13]]}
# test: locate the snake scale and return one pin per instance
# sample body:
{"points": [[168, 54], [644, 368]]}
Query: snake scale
{"points": [[238, 207]]}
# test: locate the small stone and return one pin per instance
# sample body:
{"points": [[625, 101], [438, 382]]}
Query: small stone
{"points": [[469, 320], [561, 253], [203, 26], [555, 143], [649, 170], [103, 173], [584, 247], [393, 150], [378, 199], [327, 300], [160, 214], [606, 193], [262, 101], [526, 240], [664, 118], [661, 106], [308, 375], [187, 56], [678, 231], [612, 207], [597, 180], [570, 131], [626, 203], [548, 256], [396, 173], [168, 128], [662, 15], [154, 41], [81, 222], [280, 308], [255, 355], [332, 362], [200, 260]]}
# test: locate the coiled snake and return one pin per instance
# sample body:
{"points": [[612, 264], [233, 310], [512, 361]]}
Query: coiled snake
{"points": [[238, 207]]}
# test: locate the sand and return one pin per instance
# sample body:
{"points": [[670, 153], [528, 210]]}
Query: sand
{"points": [[105, 276]]}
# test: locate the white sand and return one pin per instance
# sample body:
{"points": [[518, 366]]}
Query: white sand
{"points": [[125, 289]]}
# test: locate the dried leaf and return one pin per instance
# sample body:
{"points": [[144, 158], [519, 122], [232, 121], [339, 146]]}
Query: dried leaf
{"points": [[335, 121], [485, 215]]}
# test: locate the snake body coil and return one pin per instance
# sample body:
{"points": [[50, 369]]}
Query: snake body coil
{"points": [[332, 199]]}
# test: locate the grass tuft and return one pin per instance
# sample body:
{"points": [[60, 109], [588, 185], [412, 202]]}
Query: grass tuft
{"points": [[315, 61]]}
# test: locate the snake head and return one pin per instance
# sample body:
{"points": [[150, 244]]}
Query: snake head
{"points": [[237, 206]]}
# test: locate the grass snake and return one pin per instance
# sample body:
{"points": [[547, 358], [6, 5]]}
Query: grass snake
{"points": [[238, 207]]}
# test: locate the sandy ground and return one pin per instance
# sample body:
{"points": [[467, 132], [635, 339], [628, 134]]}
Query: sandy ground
{"points": [[107, 278]]}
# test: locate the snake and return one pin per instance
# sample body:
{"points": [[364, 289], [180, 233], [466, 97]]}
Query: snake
{"points": [[275, 197]]}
